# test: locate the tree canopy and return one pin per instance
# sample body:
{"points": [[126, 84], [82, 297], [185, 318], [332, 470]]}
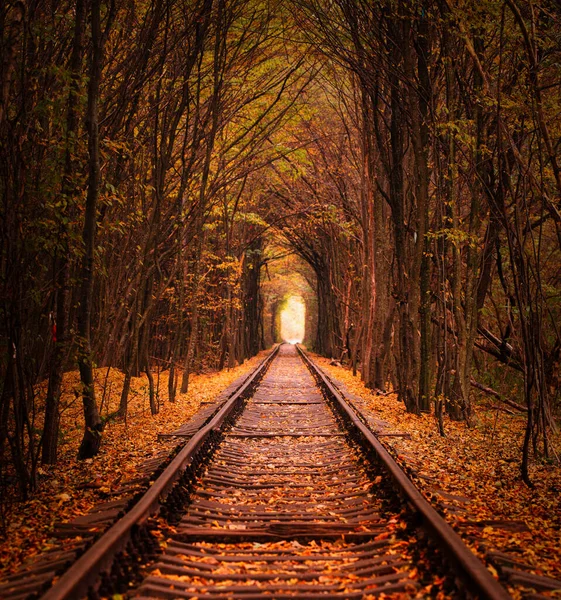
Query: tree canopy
{"points": [[157, 159]]}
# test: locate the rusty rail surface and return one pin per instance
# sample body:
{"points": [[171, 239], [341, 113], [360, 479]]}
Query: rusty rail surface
{"points": [[473, 572], [281, 490], [83, 573]]}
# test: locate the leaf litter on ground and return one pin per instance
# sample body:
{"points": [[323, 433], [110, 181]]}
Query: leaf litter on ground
{"points": [[482, 464], [71, 487]]}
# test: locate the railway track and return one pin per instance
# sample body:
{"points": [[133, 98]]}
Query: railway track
{"points": [[281, 490]]}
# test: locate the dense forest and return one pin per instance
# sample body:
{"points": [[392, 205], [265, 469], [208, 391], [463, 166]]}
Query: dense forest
{"points": [[157, 159]]}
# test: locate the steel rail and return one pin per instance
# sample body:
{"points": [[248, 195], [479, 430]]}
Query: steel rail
{"points": [[473, 572], [74, 583]]}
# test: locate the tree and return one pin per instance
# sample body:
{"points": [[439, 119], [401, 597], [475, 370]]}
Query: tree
{"points": [[93, 425]]}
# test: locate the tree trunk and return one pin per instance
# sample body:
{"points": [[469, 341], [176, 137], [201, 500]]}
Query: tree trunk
{"points": [[50, 430], [406, 331], [151, 391], [419, 273], [93, 424], [325, 337], [193, 334]]}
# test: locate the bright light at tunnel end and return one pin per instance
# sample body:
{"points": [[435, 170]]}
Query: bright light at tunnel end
{"points": [[293, 320]]}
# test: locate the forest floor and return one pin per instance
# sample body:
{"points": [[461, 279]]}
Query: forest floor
{"points": [[72, 487], [481, 463]]}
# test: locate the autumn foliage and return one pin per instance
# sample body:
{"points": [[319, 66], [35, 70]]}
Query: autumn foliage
{"points": [[171, 173]]}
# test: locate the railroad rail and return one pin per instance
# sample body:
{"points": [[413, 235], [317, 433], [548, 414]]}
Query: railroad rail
{"points": [[279, 490]]}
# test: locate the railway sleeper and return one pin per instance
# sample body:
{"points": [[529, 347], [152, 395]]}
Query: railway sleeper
{"points": [[392, 544]]}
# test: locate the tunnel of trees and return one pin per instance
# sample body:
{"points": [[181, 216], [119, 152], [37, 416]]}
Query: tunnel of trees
{"points": [[172, 171]]}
